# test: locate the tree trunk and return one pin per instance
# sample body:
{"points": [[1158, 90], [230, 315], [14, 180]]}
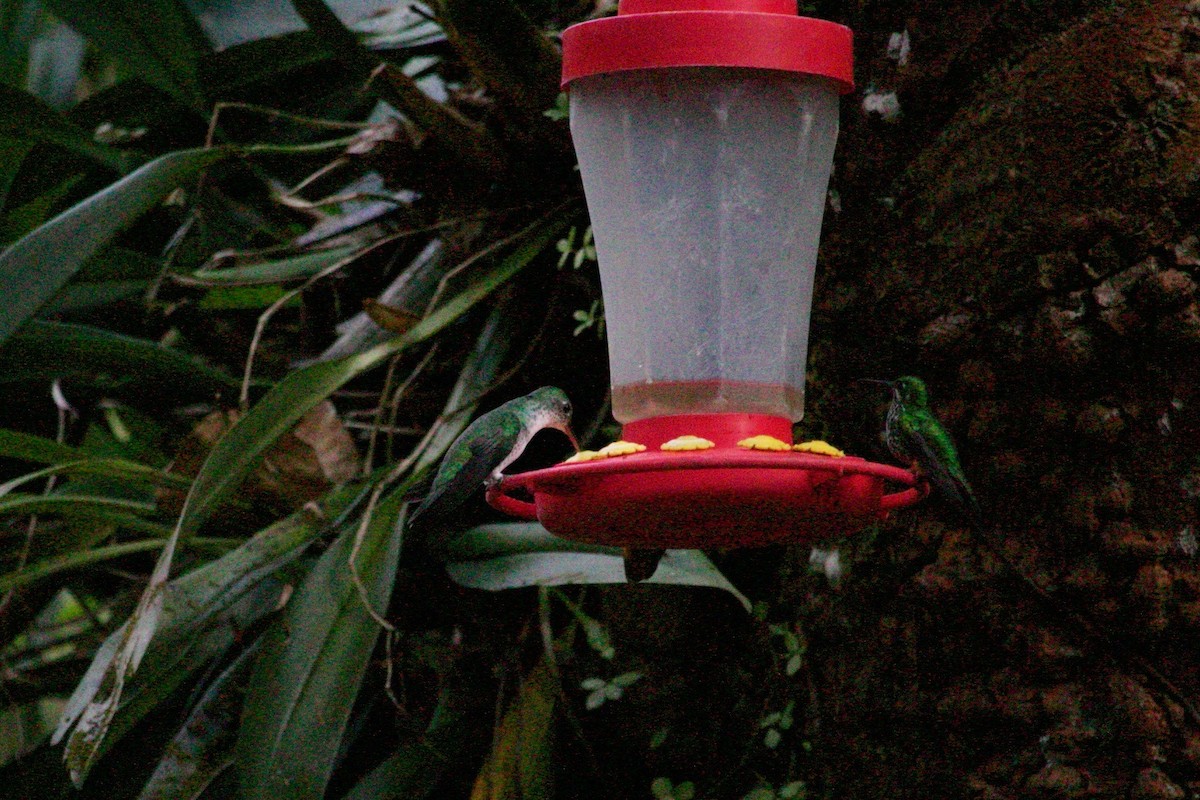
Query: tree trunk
{"points": [[1023, 237]]}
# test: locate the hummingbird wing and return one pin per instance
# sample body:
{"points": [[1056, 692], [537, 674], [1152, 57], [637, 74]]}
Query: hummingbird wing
{"points": [[930, 445], [466, 465]]}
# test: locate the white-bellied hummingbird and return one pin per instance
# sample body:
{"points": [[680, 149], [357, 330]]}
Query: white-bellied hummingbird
{"points": [[489, 444]]}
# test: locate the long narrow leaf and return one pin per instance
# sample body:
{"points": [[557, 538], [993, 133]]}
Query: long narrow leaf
{"points": [[413, 772], [69, 561], [191, 629], [228, 464], [236, 454], [26, 118], [306, 680], [97, 713], [481, 367], [523, 554], [158, 40], [202, 748], [40, 263], [262, 60], [44, 351], [106, 467], [69, 504], [12, 156], [34, 268], [283, 270], [521, 763], [27, 447]]}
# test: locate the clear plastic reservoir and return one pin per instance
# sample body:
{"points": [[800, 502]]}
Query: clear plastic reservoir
{"points": [[706, 187]]}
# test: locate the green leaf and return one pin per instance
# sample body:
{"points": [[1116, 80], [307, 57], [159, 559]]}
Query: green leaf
{"points": [[27, 447], [158, 40], [199, 611], [243, 297], [523, 554], [113, 274], [314, 658], [227, 465], [12, 156], [44, 569], [262, 60], [414, 771], [202, 748], [283, 270], [521, 763], [760, 793], [88, 294], [121, 469], [24, 218], [27, 118], [40, 263], [44, 351], [238, 451], [118, 659], [118, 264]]}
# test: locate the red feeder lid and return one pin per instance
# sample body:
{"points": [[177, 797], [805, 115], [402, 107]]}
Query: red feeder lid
{"points": [[761, 34]]}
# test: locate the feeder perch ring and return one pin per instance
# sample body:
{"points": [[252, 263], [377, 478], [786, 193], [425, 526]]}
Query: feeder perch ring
{"points": [[720, 498]]}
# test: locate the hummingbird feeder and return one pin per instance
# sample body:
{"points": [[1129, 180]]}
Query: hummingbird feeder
{"points": [[705, 132]]}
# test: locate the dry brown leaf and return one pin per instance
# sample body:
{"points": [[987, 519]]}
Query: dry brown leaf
{"points": [[317, 454], [390, 318]]}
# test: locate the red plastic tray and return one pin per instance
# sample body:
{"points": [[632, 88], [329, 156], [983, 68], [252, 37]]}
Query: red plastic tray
{"points": [[719, 498]]}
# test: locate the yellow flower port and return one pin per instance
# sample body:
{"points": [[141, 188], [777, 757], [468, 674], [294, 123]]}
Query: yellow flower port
{"points": [[818, 448], [764, 442], [618, 448], [584, 455], [687, 443], [621, 448]]}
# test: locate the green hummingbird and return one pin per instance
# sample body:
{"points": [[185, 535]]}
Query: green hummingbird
{"points": [[915, 436], [488, 445]]}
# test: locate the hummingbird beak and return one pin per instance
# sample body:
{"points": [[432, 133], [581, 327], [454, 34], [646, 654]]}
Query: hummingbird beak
{"points": [[889, 384], [574, 442]]}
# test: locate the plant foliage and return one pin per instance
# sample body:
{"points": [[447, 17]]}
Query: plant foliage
{"points": [[256, 280]]}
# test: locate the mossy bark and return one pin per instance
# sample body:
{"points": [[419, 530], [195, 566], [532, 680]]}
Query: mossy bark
{"points": [[1031, 253]]}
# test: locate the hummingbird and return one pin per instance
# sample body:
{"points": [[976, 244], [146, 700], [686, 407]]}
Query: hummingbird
{"points": [[915, 436], [641, 563], [488, 445]]}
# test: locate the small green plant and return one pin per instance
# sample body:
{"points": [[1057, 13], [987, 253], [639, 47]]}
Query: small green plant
{"points": [[601, 691], [664, 789], [593, 317], [561, 109], [794, 647], [595, 633], [795, 790], [776, 724], [585, 252]]}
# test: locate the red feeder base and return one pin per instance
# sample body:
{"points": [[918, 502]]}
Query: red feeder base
{"points": [[718, 498]]}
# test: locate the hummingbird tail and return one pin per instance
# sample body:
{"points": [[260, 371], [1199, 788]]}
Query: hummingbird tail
{"points": [[640, 564]]}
